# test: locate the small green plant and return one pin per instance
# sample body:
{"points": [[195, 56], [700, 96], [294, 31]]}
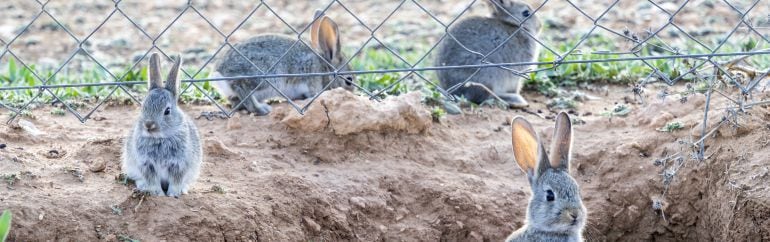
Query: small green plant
{"points": [[23, 113], [10, 179], [58, 112], [116, 210], [218, 189], [749, 45], [5, 225], [123, 179], [671, 127], [437, 113], [562, 103], [126, 238], [620, 110]]}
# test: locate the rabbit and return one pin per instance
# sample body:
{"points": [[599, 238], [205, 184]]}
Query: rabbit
{"points": [[483, 35], [265, 50], [555, 211], [162, 153]]}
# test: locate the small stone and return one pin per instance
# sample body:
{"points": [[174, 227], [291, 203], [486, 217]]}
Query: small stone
{"points": [[216, 147], [476, 236], [358, 202], [312, 225], [98, 166], [2, 146], [234, 122], [29, 127]]}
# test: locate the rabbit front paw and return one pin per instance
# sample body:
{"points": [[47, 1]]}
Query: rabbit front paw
{"points": [[514, 100], [261, 109]]}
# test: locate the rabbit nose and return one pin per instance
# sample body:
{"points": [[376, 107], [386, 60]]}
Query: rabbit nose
{"points": [[149, 125], [574, 216]]}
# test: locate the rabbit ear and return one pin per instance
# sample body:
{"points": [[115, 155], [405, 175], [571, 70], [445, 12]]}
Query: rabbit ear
{"points": [[317, 18], [328, 39], [155, 81], [526, 147], [172, 81], [562, 142]]}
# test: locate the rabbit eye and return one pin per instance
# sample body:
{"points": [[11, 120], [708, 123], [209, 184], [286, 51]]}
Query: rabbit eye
{"points": [[549, 195], [349, 80], [525, 13], [168, 110]]}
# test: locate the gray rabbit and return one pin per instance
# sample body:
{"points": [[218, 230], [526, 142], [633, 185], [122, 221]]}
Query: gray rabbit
{"points": [[162, 153], [555, 211], [264, 51], [482, 35]]}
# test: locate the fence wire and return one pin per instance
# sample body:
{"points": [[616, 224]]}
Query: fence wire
{"points": [[120, 82]]}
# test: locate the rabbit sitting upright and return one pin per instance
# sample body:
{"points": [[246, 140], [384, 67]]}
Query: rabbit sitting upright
{"points": [[483, 35], [555, 211], [162, 153], [285, 56]]}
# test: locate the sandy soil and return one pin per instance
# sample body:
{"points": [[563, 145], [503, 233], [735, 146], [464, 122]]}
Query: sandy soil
{"points": [[265, 181]]}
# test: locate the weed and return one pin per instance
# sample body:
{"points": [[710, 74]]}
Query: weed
{"points": [[218, 189], [126, 238], [123, 179], [437, 113], [671, 127], [5, 225], [116, 210], [562, 103], [58, 112], [620, 110], [10, 179]]}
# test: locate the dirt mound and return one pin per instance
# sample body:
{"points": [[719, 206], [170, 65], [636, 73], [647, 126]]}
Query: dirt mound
{"points": [[343, 113], [455, 181]]}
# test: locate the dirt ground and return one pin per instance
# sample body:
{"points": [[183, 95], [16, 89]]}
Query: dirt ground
{"points": [[262, 180]]}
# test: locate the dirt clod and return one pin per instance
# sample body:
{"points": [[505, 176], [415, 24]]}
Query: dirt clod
{"points": [[216, 147], [312, 225], [344, 113], [98, 166]]}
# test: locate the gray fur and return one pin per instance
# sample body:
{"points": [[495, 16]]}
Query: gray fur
{"points": [[482, 35], [166, 160], [552, 220], [265, 50]]}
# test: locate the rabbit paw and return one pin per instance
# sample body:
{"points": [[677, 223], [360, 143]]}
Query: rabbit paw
{"points": [[175, 190], [262, 109], [514, 100]]}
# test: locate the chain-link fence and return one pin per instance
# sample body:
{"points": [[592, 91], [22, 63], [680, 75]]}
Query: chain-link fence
{"points": [[702, 42]]}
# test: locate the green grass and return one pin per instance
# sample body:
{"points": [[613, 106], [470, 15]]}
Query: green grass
{"points": [[620, 110], [671, 127], [546, 82], [5, 225], [9, 179], [14, 74], [437, 113]]}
